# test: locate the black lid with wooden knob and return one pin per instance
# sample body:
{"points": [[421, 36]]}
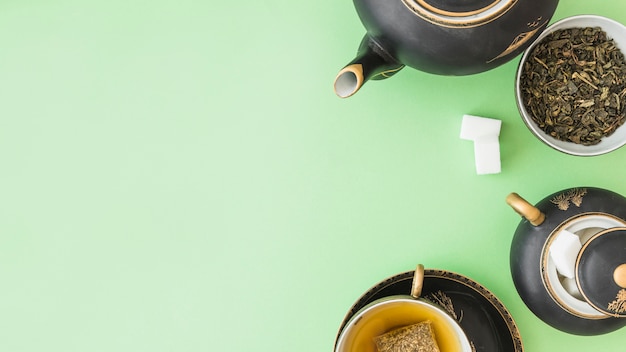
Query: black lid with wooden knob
{"points": [[601, 271]]}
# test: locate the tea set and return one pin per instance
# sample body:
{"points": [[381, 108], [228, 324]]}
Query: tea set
{"points": [[567, 254]]}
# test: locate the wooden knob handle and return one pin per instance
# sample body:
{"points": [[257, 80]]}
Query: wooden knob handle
{"points": [[525, 209], [619, 275]]}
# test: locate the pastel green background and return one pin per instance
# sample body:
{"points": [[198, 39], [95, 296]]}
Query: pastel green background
{"points": [[179, 176]]}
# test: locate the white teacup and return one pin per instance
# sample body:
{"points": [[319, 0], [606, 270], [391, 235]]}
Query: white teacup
{"points": [[389, 313]]}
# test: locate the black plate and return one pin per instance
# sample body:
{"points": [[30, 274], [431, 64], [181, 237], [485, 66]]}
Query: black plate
{"points": [[486, 321]]}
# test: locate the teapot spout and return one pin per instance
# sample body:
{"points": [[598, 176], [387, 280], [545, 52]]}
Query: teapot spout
{"points": [[525, 209], [371, 62]]}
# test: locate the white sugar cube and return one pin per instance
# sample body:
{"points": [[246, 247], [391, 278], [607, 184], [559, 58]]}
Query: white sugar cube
{"points": [[484, 132], [487, 155], [563, 251], [476, 127]]}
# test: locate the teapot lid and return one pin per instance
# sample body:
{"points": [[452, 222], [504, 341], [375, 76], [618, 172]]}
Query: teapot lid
{"points": [[459, 13], [601, 271]]}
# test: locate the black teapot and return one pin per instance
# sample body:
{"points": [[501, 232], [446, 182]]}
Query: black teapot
{"points": [[447, 37], [568, 259]]}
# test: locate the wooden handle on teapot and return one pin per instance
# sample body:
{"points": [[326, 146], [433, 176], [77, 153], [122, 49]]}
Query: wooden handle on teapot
{"points": [[525, 209]]}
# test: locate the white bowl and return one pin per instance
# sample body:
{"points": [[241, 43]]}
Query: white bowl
{"points": [[615, 31]]}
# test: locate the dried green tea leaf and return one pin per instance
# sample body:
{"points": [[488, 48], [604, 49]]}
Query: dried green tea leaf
{"points": [[418, 337], [574, 85]]}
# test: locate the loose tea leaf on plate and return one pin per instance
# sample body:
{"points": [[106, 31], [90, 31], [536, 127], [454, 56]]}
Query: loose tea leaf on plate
{"points": [[573, 85]]}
